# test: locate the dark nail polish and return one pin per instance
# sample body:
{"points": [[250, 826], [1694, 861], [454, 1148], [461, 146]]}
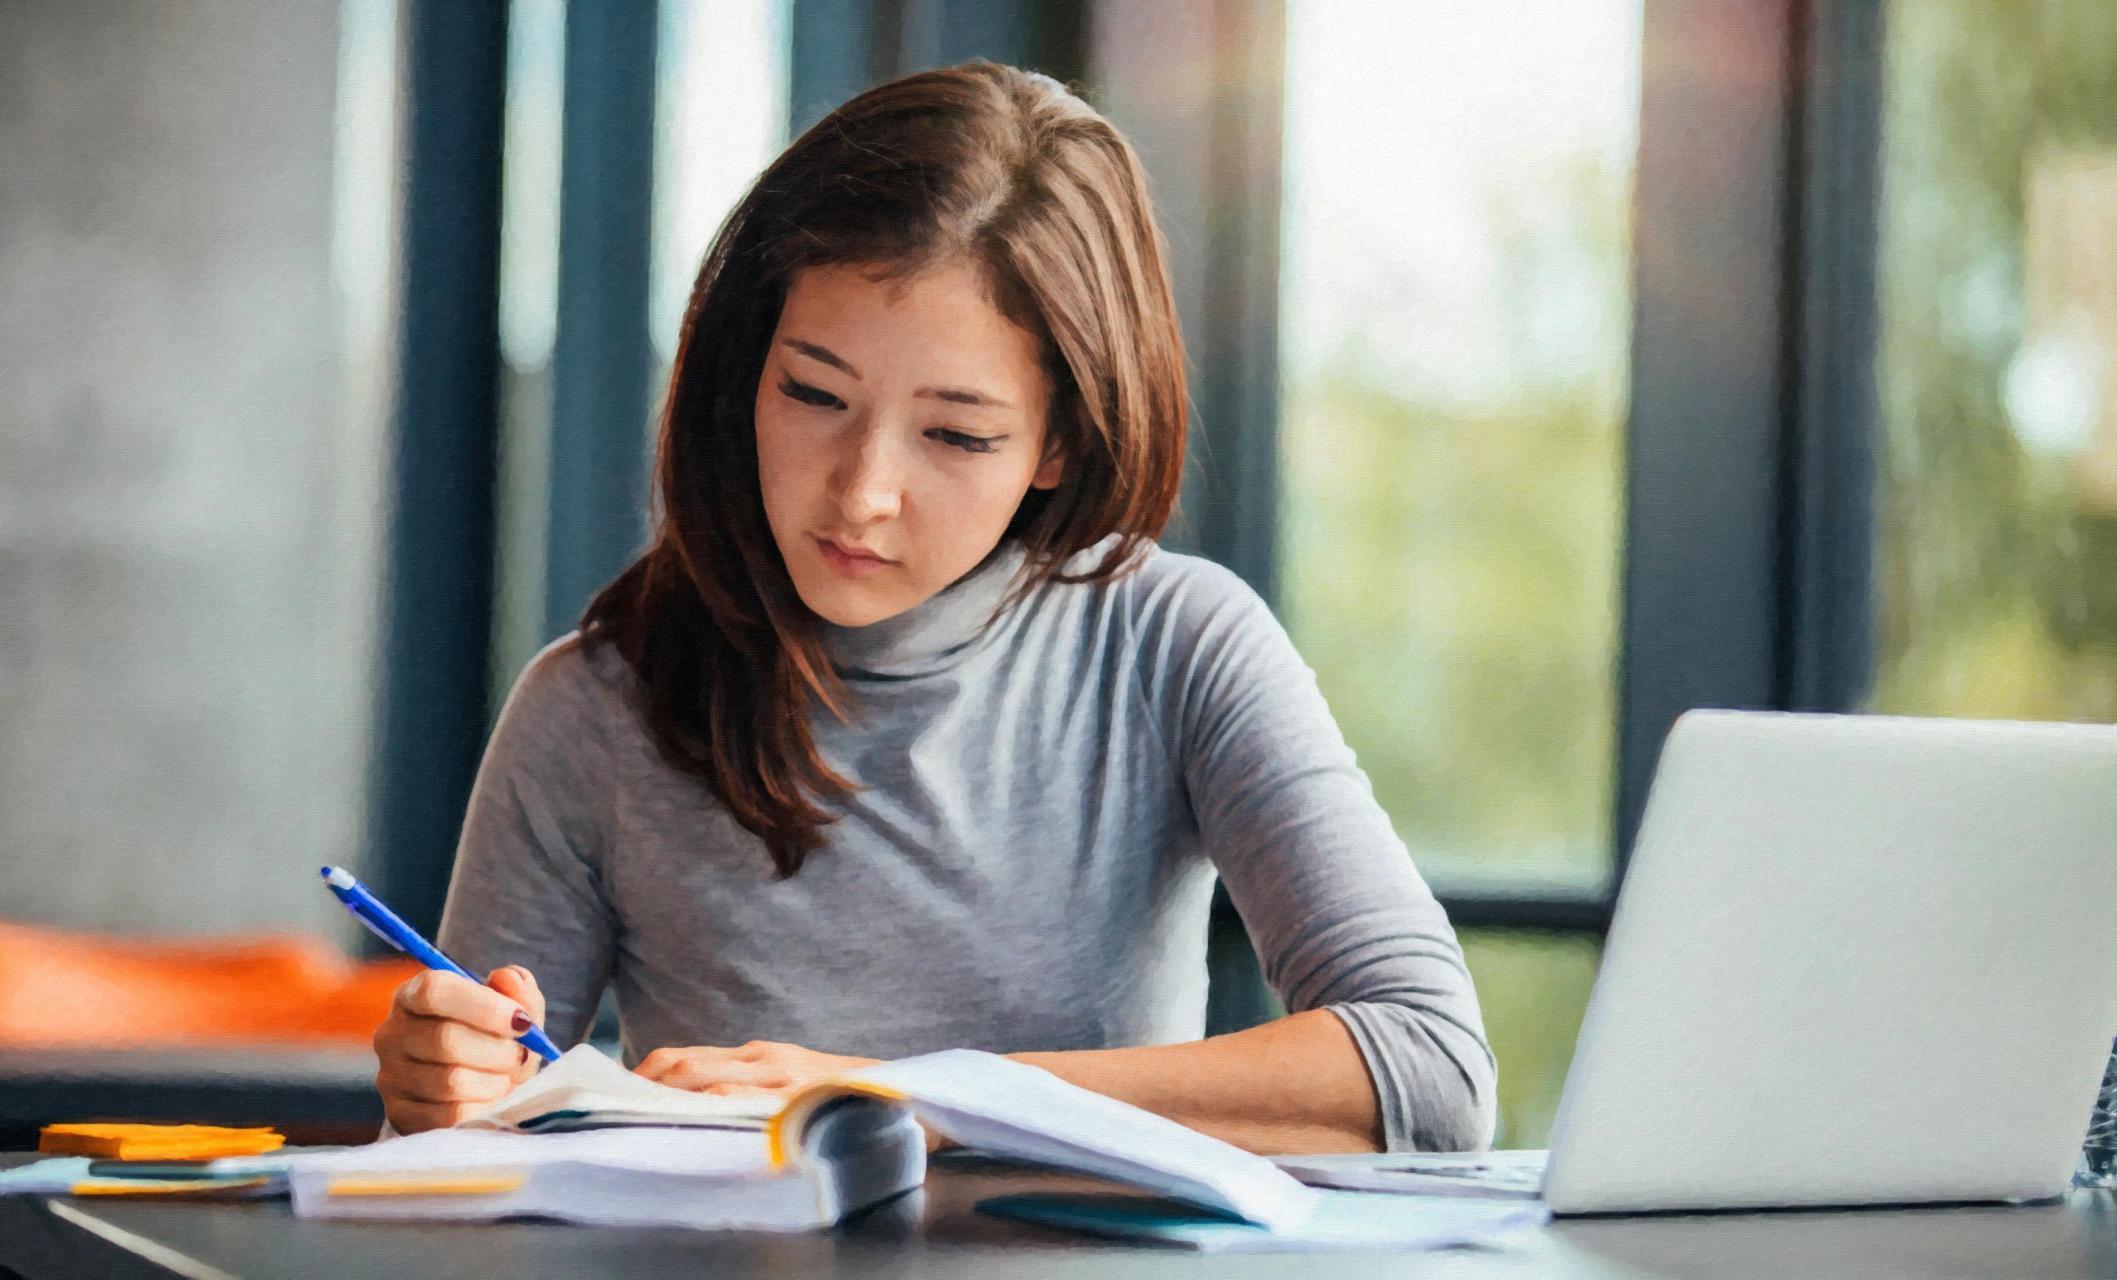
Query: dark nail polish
{"points": [[521, 1022]]}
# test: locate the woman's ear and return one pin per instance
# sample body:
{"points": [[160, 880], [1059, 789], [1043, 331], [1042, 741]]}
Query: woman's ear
{"points": [[1048, 474]]}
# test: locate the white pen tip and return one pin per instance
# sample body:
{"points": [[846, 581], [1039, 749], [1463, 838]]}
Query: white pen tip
{"points": [[338, 877]]}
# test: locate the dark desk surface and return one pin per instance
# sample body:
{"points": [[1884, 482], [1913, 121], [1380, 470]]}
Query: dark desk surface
{"points": [[312, 1095], [935, 1233]]}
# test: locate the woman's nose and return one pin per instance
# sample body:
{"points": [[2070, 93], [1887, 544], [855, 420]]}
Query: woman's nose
{"points": [[870, 481]]}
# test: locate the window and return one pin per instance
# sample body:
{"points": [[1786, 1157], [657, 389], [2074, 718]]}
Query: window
{"points": [[719, 115], [1455, 313], [720, 118], [1996, 572]]}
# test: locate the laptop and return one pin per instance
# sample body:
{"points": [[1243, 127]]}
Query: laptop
{"points": [[1856, 960]]}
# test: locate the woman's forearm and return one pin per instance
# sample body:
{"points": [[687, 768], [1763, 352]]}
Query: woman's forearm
{"points": [[1295, 1085]]}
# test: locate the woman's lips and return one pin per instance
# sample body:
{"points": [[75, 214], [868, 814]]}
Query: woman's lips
{"points": [[852, 564]]}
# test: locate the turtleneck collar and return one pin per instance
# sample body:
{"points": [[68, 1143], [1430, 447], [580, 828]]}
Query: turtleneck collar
{"points": [[932, 635]]}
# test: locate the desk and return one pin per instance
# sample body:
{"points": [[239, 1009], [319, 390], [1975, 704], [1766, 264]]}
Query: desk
{"points": [[935, 1233]]}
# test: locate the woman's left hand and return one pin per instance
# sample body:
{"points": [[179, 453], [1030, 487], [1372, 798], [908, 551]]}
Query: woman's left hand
{"points": [[761, 1066]]}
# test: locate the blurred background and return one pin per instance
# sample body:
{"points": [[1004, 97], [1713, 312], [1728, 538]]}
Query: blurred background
{"points": [[1560, 365]]}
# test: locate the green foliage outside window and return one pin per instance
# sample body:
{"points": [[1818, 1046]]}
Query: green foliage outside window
{"points": [[1996, 561]]}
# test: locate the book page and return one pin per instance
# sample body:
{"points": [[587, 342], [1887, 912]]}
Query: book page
{"points": [[587, 1082], [1007, 1108]]}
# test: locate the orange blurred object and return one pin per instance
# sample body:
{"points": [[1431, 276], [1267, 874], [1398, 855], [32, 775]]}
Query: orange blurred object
{"points": [[156, 1141], [70, 990]]}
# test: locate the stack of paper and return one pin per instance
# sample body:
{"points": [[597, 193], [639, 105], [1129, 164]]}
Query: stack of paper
{"points": [[617, 1177], [587, 1141]]}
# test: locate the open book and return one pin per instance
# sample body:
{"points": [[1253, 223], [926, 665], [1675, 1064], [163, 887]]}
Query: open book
{"points": [[587, 1141]]}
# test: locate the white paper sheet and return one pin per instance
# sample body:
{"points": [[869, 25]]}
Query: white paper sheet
{"points": [[1343, 1220], [616, 1177], [1495, 1175]]}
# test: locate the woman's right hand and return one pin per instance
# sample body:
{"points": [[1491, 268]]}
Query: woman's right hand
{"points": [[448, 1046]]}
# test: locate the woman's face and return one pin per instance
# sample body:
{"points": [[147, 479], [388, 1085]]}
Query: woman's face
{"points": [[899, 424]]}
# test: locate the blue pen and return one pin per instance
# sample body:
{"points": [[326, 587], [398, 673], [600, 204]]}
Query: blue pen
{"points": [[368, 909]]}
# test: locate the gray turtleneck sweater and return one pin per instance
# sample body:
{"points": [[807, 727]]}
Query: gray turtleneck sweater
{"points": [[1048, 793]]}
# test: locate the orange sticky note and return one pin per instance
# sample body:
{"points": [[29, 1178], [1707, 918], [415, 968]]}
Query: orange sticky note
{"points": [[156, 1141]]}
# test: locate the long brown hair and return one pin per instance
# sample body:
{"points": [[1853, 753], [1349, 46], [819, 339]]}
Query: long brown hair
{"points": [[1004, 168]]}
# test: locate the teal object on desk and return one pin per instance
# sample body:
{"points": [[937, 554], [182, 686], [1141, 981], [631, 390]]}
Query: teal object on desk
{"points": [[1342, 1220], [54, 1176], [64, 1175]]}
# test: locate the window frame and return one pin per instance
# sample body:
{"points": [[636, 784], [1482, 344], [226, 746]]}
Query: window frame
{"points": [[1750, 440], [434, 652], [602, 358]]}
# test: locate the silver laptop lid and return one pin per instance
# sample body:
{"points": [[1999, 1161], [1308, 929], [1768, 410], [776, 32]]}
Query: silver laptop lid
{"points": [[1855, 960]]}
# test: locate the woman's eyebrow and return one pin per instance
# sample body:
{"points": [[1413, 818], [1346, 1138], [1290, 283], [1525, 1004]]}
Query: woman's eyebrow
{"points": [[963, 395], [954, 395], [825, 354]]}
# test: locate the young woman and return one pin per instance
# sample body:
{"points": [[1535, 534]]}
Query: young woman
{"points": [[903, 734]]}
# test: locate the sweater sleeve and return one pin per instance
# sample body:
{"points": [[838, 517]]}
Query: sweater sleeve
{"points": [[528, 883], [1340, 917]]}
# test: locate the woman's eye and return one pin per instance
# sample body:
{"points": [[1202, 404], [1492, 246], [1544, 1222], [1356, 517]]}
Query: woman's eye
{"points": [[961, 440], [807, 394]]}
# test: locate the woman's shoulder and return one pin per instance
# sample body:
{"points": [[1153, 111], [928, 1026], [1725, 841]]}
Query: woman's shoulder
{"points": [[1167, 607], [1160, 590], [571, 682]]}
